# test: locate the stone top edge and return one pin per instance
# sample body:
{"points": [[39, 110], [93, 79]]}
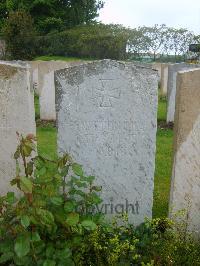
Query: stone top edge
{"points": [[108, 61], [16, 64], [189, 70]]}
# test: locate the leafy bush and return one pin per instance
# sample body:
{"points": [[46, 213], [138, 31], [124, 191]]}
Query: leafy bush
{"points": [[19, 35], [92, 41], [51, 222]]}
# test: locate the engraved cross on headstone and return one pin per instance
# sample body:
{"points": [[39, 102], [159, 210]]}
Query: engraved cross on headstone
{"points": [[107, 92]]}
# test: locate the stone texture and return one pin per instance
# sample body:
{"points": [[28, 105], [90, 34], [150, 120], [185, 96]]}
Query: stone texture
{"points": [[171, 90], [185, 185], [164, 79], [46, 87], [16, 115], [106, 115], [35, 75], [157, 66]]}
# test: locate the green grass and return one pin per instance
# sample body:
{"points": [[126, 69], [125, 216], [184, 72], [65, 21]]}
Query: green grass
{"points": [[47, 136], [62, 58], [37, 107], [47, 141], [162, 107], [162, 172]]}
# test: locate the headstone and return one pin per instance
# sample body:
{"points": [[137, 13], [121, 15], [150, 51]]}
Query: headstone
{"points": [[35, 75], [164, 79], [157, 66], [16, 115], [46, 87], [171, 91], [185, 184], [106, 115]]}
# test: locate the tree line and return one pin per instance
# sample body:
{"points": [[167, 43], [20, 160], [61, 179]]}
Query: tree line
{"points": [[68, 27]]}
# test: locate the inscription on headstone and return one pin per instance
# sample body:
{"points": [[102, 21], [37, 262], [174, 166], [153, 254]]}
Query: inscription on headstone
{"points": [[106, 114]]}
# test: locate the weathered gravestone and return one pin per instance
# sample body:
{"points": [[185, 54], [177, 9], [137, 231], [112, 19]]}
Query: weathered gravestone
{"points": [[185, 186], [106, 113], [157, 66], [16, 115], [35, 75], [46, 87], [164, 79], [171, 90]]}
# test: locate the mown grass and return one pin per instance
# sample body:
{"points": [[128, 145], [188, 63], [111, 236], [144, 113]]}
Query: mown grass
{"points": [[61, 58], [163, 167], [162, 172], [47, 144], [47, 141]]}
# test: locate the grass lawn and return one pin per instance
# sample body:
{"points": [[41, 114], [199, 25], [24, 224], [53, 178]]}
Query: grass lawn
{"points": [[62, 58], [47, 145]]}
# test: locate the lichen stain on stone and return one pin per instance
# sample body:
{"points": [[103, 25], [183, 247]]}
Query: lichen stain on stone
{"points": [[7, 72]]}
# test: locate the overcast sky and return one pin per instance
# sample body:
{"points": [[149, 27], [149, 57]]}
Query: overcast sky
{"points": [[134, 13]]}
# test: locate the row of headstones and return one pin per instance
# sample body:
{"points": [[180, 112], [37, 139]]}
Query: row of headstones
{"points": [[107, 121], [168, 79], [43, 78]]}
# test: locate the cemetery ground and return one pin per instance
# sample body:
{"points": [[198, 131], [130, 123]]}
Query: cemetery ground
{"points": [[47, 137], [51, 226]]}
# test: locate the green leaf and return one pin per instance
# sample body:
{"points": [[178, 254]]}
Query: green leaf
{"points": [[69, 206], [65, 171], [35, 237], [22, 245], [97, 188], [50, 250], [27, 260], [67, 262], [63, 254], [49, 263], [27, 149], [17, 153], [25, 221], [72, 219], [42, 171], [90, 179], [14, 181], [26, 185], [89, 225], [30, 168], [94, 198], [6, 257], [6, 246], [58, 201], [10, 198], [77, 169], [46, 217]]}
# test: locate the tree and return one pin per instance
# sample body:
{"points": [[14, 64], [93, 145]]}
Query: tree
{"points": [[138, 43], [19, 35], [155, 38], [179, 41], [54, 14]]}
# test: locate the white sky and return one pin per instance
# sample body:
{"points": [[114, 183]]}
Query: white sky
{"points": [[134, 13]]}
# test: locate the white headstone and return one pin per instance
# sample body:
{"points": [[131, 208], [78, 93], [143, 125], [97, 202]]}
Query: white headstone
{"points": [[16, 115], [171, 90], [164, 79], [106, 113], [46, 87], [185, 185]]}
